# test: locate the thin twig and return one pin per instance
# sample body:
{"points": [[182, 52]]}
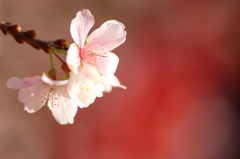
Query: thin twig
{"points": [[29, 37], [59, 58]]}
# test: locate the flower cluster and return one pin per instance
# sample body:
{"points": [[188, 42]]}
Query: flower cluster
{"points": [[90, 67]]}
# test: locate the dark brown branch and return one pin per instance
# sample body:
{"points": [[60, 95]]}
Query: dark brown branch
{"points": [[29, 37]]}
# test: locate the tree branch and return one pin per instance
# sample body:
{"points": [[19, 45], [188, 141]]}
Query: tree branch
{"points": [[29, 37]]}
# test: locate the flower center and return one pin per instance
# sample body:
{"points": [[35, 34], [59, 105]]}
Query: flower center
{"points": [[52, 96], [92, 56]]}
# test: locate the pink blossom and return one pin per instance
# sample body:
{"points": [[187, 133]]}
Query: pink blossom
{"points": [[95, 49], [35, 92]]}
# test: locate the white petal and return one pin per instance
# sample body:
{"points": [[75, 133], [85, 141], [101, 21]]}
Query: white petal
{"points": [[83, 99], [81, 25], [73, 58], [110, 35], [107, 63], [62, 107], [33, 97], [53, 82], [89, 71], [107, 88], [17, 83], [87, 95], [111, 82], [83, 89]]}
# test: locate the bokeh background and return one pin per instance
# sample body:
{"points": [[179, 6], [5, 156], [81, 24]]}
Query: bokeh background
{"points": [[180, 62]]}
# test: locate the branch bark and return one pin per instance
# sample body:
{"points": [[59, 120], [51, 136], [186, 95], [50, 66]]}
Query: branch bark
{"points": [[29, 37]]}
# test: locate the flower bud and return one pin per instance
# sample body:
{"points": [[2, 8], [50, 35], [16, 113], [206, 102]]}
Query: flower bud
{"points": [[65, 68], [19, 39], [59, 41], [66, 45], [45, 46], [31, 33], [62, 42], [53, 74], [15, 28]]}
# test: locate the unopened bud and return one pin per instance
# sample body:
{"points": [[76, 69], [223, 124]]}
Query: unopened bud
{"points": [[65, 68], [31, 33], [66, 45], [59, 41], [62, 42], [15, 28], [19, 39], [53, 74], [46, 47]]}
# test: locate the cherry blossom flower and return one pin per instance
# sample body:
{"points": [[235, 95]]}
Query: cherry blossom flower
{"points": [[85, 86], [88, 84], [92, 66], [90, 60], [35, 92], [95, 49]]}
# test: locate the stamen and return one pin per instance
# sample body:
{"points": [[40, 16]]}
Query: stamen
{"points": [[92, 55]]}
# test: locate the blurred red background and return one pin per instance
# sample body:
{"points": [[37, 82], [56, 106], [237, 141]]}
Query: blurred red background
{"points": [[181, 66]]}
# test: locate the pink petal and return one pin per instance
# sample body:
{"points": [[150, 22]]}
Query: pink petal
{"points": [[110, 35], [81, 25], [106, 63], [33, 97], [52, 82], [73, 59], [89, 71], [17, 83]]}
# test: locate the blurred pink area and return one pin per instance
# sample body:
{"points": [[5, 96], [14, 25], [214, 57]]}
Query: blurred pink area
{"points": [[180, 64]]}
